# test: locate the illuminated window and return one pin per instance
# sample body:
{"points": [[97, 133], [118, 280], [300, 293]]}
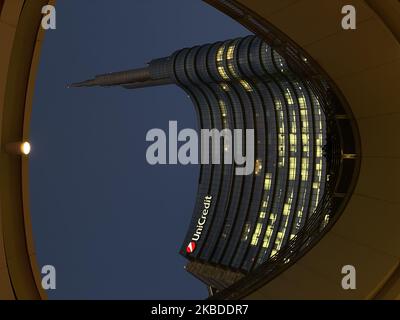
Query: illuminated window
{"points": [[258, 167], [268, 232], [267, 181], [231, 68], [231, 51], [300, 213], [304, 169], [220, 53], [326, 220], [222, 107], [304, 129], [286, 209], [281, 122], [304, 120], [288, 96], [278, 104], [319, 139], [224, 87], [256, 234], [285, 213], [246, 85], [302, 102], [281, 150], [281, 144], [265, 204], [246, 232], [305, 138], [223, 73], [318, 151], [292, 168], [293, 142], [294, 129], [278, 243]]}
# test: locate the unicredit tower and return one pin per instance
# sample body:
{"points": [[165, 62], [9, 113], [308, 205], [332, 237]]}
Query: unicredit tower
{"points": [[249, 227]]}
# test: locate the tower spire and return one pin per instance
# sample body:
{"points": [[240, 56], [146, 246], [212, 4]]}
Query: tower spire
{"points": [[156, 73], [117, 78]]}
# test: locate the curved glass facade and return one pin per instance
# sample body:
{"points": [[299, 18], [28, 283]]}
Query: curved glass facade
{"points": [[245, 84]]}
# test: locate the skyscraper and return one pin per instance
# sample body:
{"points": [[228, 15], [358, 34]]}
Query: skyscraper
{"points": [[242, 222]]}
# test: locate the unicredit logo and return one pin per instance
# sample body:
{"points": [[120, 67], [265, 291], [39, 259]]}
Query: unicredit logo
{"points": [[191, 246], [200, 224]]}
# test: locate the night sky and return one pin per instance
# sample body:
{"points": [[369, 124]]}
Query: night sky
{"points": [[109, 222]]}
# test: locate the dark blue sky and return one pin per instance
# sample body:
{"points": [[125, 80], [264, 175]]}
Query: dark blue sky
{"points": [[110, 223]]}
